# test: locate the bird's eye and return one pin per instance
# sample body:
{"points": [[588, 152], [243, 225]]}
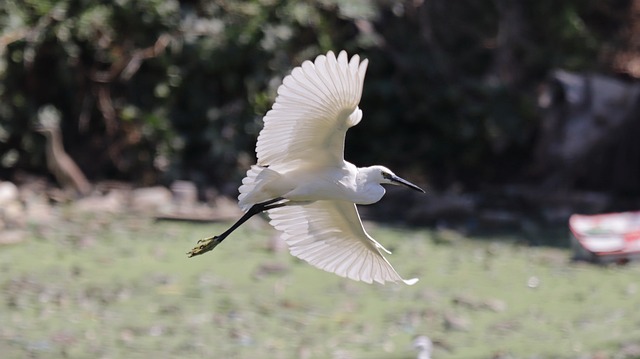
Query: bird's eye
{"points": [[385, 175]]}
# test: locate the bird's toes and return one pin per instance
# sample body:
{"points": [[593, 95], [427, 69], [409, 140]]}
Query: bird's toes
{"points": [[204, 240], [203, 246]]}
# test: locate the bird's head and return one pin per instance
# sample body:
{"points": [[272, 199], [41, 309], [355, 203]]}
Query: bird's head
{"points": [[383, 175]]}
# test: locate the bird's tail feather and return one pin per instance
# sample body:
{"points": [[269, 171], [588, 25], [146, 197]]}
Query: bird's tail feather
{"points": [[251, 190]]}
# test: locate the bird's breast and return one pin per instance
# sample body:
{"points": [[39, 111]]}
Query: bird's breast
{"points": [[369, 194]]}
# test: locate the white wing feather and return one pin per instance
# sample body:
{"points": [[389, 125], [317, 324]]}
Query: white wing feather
{"points": [[315, 106], [329, 235]]}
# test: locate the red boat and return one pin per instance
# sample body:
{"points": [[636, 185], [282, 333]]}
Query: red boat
{"points": [[603, 238]]}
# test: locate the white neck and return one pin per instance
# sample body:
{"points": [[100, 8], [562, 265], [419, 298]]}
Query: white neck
{"points": [[368, 187]]}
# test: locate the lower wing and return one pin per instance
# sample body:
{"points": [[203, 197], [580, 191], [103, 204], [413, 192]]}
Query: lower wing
{"points": [[329, 235]]}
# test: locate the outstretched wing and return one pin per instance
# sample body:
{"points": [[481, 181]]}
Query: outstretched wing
{"points": [[330, 236], [315, 106]]}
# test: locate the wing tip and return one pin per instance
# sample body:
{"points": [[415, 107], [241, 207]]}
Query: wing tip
{"points": [[411, 281]]}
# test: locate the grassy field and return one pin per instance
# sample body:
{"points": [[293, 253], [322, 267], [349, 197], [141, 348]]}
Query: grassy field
{"points": [[124, 288]]}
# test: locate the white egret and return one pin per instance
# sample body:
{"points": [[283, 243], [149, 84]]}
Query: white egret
{"points": [[302, 180]]}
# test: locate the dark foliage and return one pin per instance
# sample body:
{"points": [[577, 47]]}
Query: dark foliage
{"points": [[154, 90]]}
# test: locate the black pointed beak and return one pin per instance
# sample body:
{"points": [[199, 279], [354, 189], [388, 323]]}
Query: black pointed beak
{"points": [[404, 182]]}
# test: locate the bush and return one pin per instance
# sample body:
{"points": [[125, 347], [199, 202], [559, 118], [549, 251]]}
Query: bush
{"points": [[155, 90]]}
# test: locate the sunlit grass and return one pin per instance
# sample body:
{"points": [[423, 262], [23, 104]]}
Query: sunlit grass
{"points": [[125, 288]]}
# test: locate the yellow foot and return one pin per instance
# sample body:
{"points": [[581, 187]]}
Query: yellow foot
{"points": [[204, 245]]}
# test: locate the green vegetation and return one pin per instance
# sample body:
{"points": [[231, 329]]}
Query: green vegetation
{"points": [[125, 289], [156, 90], [150, 91]]}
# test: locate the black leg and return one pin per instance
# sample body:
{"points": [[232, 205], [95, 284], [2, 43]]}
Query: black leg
{"points": [[207, 244]]}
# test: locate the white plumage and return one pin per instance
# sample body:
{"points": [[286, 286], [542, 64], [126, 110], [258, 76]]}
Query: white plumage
{"points": [[302, 180], [315, 106], [330, 236]]}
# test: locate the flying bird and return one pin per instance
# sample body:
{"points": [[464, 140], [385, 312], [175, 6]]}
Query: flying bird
{"points": [[302, 180]]}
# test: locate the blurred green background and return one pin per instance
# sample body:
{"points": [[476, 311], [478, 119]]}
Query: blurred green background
{"points": [[498, 107], [151, 91]]}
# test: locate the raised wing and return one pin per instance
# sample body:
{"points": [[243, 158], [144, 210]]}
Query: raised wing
{"points": [[329, 235], [315, 106]]}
